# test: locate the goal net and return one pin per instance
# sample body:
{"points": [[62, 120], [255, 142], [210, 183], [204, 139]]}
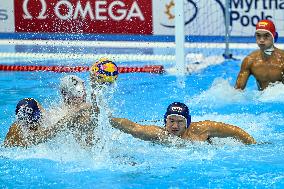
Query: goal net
{"points": [[213, 28]]}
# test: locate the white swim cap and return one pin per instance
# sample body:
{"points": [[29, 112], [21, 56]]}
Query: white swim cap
{"points": [[72, 85]]}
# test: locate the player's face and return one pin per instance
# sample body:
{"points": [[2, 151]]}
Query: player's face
{"points": [[78, 100], [175, 124], [263, 39], [77, 97], [81, 93]]}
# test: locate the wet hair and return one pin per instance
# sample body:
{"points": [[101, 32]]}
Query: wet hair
{"points": [[178, 108]]}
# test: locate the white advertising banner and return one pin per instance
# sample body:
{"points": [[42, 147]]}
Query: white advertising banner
{"points": [[202, 17], [7, 21], [207, 18], [245, 14]]}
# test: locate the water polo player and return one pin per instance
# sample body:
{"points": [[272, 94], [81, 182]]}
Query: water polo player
{"points": [[28, 120], [265, 64], [178, 123], [73, 90], [28, 128], [82, 117]]}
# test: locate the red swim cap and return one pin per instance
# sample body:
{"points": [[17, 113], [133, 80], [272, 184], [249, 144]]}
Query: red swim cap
{"points": [[268, 26]]}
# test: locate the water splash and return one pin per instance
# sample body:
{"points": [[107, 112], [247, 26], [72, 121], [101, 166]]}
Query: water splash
{"points": [[119, 151], [222, 93], [273, 93], [219, 94]]}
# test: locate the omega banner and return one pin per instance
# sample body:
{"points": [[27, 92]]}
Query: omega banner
{"points": [[83, 16], [147, 17]]}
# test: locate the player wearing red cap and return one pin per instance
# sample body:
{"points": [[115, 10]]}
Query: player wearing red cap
{"points": [[265, 64]]}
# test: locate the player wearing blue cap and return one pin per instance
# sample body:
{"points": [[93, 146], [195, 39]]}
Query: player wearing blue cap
{"points": [[27, 129], [178, 123]]}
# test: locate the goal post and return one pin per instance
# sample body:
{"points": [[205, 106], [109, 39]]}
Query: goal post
{"points": [[197, 20], [179, 37]]}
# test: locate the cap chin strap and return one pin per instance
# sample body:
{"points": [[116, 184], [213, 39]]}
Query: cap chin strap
{"points": [[269, 51]]}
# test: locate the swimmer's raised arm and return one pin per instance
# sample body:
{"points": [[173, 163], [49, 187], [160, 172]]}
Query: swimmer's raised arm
{"points": [[223, 130], [144, 132], [243, 74], [75, 117], [82, 124]]}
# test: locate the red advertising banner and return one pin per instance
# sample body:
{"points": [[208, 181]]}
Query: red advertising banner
{"points": [[83, 16]]}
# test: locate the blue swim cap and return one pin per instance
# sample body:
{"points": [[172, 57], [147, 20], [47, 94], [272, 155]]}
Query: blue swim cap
{"points": [[28, 109], [178, 108]]}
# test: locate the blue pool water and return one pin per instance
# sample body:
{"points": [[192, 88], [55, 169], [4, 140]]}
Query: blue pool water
{"points": [[121, 161]]}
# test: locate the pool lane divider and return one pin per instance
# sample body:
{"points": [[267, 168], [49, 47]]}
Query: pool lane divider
{"points": [[158, 69]]}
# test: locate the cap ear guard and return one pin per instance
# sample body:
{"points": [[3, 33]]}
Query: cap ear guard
{"points": [[188, 121], [36, 116], [276, 37], [63, 92]]}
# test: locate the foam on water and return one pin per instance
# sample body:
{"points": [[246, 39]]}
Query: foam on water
{"points": [[273, 93], [219, 94], [222, 93]]}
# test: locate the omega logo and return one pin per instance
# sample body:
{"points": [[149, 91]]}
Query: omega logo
{"points": [[100, 11], [27, 14]]}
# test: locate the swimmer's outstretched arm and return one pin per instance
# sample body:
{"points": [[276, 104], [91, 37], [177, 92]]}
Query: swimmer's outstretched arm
{"points": [[144, 132], [243, 75], [43, 135], [223, 130]]}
